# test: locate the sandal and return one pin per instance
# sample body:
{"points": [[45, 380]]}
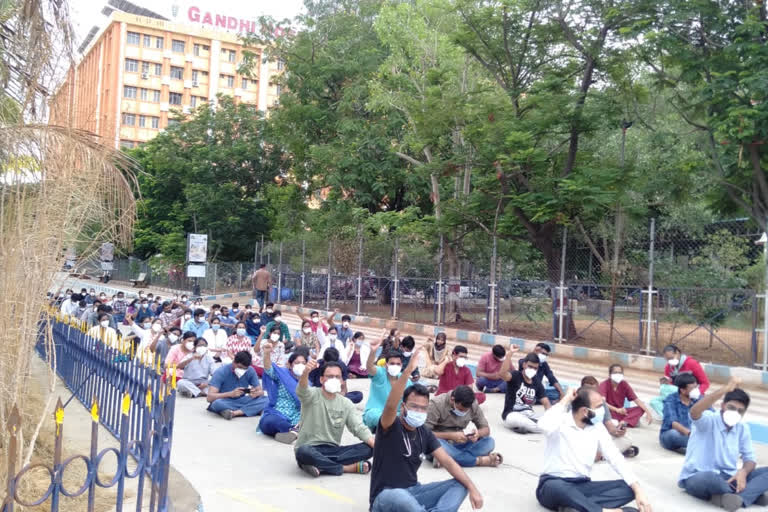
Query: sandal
{"points": [[363, 467], [492, 460], [631, 452]]}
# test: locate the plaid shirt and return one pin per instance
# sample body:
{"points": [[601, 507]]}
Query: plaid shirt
{"points": [[119, 307], [169, 319]]}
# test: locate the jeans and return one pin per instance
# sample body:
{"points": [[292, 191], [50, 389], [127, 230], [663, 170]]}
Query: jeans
{"points": [[249, 406], [705, 484], [553, 394], [673, 440], [331, 459], [355, 396], [445, 496], [466, 454], [482, 383], [272, 422], [582, 493], [260, 296]]}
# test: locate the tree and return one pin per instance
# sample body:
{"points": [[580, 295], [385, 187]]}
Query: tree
{"points": [[208, 174]]}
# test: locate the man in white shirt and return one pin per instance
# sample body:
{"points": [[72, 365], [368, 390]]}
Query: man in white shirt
{"points": [[573, 441]]}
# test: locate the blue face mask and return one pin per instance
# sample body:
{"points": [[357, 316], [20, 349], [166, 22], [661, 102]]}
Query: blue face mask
{"points": [[416, 419], [459, 413], [599, 416], [215, 327]]}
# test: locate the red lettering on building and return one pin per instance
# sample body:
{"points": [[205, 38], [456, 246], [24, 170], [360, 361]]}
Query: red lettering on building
{"points": [[207, 19], [231, 23], [221, 21], [195, 15]]}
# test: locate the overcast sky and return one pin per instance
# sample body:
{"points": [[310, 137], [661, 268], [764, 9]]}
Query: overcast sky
{"points": [[87, 13]]}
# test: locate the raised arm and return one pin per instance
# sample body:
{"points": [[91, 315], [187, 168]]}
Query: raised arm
{"points": [[504, 373], [709, 400], [267, 348], [331, 316], [304, 380], [370, 365], [389, 416]]}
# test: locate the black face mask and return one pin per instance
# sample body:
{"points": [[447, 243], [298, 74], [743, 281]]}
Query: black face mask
{"points": [[438, 346]]}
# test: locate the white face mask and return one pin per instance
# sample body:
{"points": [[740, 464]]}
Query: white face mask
{"points": [[345, 324], [394, 370], [617, 377], [542, 358], [240, 372], [157, 327], [530, 373], [407, 354], [731, 418], [201, 350], [332, 337], [190, 345], [241, 332], [174, 338], [332, 385], [298, 369], [673, 362], [277, 319], [147, 326], [315, 319], [187, 317], [461, 362], [306, 330], [695, 394], [269, 310], [274, 337], [104, 323]]}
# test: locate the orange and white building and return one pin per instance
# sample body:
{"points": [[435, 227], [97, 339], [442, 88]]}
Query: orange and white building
{"points": [[137, 69]]}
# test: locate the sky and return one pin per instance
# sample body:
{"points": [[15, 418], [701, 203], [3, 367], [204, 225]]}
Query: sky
{"points": [[87, 13]]}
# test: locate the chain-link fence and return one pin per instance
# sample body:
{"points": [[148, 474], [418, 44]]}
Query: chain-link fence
{"points": [[633, 289]]}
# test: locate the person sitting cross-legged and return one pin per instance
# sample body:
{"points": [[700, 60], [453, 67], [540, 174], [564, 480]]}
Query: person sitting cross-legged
{"points": [[617, 429], [554, 390], [573, 439], [488, 371], [449, 415], [402, 441], [235, 389], [711, 471], [457, 374], [197, 372], [617, 391], [523, 390], [676, 425], [381, 382], [281, 417], [324, 414]]}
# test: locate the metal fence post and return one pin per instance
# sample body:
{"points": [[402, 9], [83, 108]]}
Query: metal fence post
{"points": [[261, 253], [280, 275], [330, 272], [561, 291], [303, 269], [491, 319], [439, 309], [215, 269], [649, 313], [359, 310], [240, 277], [395, 281]]}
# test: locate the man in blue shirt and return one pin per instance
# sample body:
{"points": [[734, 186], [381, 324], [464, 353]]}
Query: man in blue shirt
{"points": [[235, 389], [676, 426], [343, 331], [197, 325], [717, 439]]}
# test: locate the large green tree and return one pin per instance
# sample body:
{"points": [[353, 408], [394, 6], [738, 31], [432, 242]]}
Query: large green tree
{"points": [[208, 174]]}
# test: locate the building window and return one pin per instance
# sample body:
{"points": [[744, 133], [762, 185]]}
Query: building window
{"points": [[142, 121], [279, 90], [177, 73], [159, 43], [156, 96], [196, 49], [127, 144], [145, 67], [134, 38], [155, 122], [129, 92], [132, 65], [193, 103], [174, 98], [177, 46], [173, 122], [229, 80], [158, 69], [204, 74], [232, 55], [147, 41], [280, 64], [245, 83], [129, 119], [194, 75], [144, 94]]}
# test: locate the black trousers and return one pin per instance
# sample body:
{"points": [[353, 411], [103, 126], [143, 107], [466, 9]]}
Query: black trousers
{"points": [[582, 493]]}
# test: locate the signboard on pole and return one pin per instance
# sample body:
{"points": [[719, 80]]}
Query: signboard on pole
{"points": [[197, 248], [195, 270], [107, 251]]}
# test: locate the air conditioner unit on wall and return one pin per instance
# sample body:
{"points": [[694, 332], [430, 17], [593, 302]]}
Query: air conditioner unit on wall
{"points": [[195, 83], [144, 76]]}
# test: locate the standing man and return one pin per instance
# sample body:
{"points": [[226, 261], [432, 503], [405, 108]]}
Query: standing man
{"points": [[711, 469], [401, 442], [262, 281], [324, 414], [574, 438]]}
